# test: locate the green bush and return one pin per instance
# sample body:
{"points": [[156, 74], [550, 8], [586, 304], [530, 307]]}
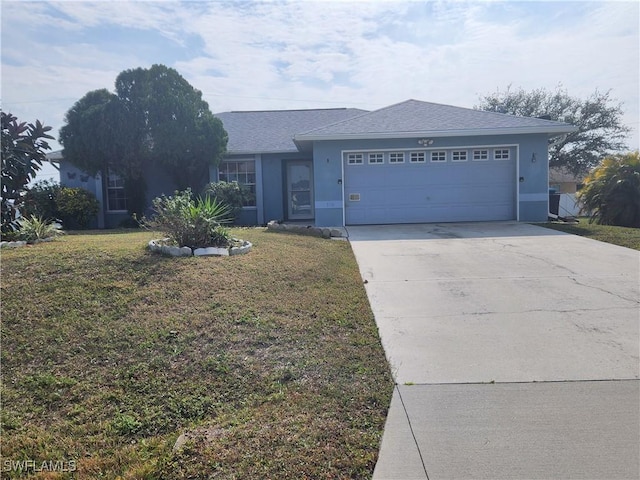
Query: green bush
{"points": [[40, 201], [34, 228], [77, 207], [232, 194], [191, 223], [611, 192]]}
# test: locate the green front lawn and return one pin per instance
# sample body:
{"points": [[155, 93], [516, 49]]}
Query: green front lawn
{"points": [[623, 236], [271, 359]]}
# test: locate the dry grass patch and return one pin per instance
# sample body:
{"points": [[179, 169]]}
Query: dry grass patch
{"points": [[109, 353]]}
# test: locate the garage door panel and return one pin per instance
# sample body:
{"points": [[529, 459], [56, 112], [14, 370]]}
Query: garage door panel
{"points": [[442, 213], [416, 193], [432, 194]]}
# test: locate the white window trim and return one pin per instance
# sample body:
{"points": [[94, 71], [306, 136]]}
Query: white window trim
{"points": [[370, 154], [109, 174], [422, 153], [401, 156], [503, 151], [465, 159], [255, 184], [354, 156], [437, 158], [480, 150]]}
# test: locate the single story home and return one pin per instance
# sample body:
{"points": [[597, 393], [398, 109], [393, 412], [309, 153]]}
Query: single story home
{"points": [[411, 162]]}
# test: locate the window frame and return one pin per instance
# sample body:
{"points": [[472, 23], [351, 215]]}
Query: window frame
{"points": [[237, 173], [378, 155], [438, 156], [396, 158], [480, 155], [118, 187], [502, 152], [459, 153], [418, 154], [355, 156]]}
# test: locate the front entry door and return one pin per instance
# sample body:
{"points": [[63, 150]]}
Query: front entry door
{"points": [[300, 190]]}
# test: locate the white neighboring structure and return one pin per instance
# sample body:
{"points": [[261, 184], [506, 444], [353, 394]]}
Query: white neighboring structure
{"points": [[569, 205], [566, 184]]}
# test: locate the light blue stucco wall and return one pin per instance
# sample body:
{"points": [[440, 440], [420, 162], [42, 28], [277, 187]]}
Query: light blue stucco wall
{"points": [[531, 176], [270, 186], [157, 183], [72, 177], [533, 182]]}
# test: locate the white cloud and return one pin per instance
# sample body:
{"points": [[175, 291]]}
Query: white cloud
{"points": [[315, 54]]}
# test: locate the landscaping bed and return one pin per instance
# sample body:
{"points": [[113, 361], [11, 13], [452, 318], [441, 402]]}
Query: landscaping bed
{"points": [[623, 236], [269, 362]]}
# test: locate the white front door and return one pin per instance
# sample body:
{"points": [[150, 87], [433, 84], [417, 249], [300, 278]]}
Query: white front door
{"points": [[300, 190]]}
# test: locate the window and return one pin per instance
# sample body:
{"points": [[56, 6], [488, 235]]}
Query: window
{"points": [[243, 172], [116, 196], [480, 155], [396, 157], [355, 158], [376, 158], [459, 156], [439, 156], [501, 154], [417, 157]]}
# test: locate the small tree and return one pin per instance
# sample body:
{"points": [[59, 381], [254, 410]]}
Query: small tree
{"points": [[232, 194], [611, 192], [23, 147], [155, 120], [601, 130]]}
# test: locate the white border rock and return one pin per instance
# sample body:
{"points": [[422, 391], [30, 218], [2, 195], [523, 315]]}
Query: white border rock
{"points": [[323, 232], [20, 243], [211, 251], [160, 246]]}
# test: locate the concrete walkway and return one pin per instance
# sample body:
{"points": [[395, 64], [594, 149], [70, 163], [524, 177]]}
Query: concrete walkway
{"points": [[515, 350]]}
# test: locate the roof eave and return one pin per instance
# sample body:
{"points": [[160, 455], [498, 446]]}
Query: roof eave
{"points": [[257, 152], [551, 130]]}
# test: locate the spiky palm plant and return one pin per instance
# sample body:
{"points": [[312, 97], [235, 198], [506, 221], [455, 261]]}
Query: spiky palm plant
{"points": [[611, 194], [34, 228], [188, 222]]}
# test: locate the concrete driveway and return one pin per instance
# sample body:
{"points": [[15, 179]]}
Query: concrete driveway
{"points": [[515, 350]]}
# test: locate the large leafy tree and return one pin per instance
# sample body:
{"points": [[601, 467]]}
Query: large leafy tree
{"points": [[23, 151], [154, 120], [611, 192], [601, 130]]}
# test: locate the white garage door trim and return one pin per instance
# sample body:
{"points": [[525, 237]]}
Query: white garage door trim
{"points": [[469, 148]]}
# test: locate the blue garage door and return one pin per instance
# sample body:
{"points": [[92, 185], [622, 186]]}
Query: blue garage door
{"points": [[452, 185]]}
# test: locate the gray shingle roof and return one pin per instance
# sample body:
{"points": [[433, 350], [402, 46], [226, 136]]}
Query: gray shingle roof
{"points": [[413, 117], [273, 131]]}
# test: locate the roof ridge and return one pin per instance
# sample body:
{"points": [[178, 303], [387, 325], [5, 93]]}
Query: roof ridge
{"points": [[365, 112], [290, 110], [473, 109], [362, 115]]}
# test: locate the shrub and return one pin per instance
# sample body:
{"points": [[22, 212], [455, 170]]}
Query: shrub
{"points": [[232, 194], [34, 228], [611, 192], [40, 200], [22, 152], [77, 207], [191, 223]]}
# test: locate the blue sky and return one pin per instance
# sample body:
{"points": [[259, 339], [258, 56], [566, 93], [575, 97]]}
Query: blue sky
{"points": [[246, 55]]}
